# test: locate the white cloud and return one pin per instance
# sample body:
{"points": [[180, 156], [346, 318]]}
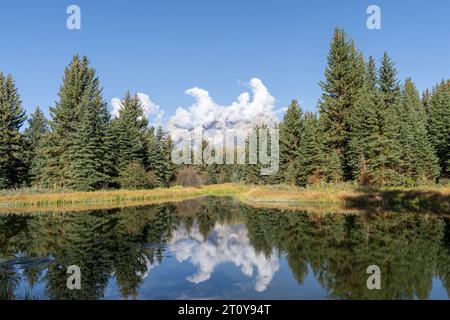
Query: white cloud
{"points": [[152, 111], [247, 111], [225, 244]]}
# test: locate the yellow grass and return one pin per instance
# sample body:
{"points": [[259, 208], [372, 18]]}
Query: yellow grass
{"points": [[96, 198], [351, 198], [285, 194], [339, 197]]}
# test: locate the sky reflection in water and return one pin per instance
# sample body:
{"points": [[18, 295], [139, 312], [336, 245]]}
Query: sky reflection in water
{"points": [[219, 249]]}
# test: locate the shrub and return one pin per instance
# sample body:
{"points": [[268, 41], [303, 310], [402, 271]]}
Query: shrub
{"points": [[134, 176], [188, 177]]}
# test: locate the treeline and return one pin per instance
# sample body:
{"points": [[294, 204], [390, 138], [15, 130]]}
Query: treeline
{"points": [[370, 128], [81, 147], [382, 132]]}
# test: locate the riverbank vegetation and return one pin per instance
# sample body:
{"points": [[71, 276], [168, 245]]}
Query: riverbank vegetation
{"points": [[341, 198]]}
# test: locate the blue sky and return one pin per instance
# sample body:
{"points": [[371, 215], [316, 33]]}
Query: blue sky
{"points": [[162, 48]]}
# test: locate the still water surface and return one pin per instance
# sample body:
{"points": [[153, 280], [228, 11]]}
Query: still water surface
{"points": [[214, 248]]}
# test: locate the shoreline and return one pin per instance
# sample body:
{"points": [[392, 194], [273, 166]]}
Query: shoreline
{"points": [[341, 197]]}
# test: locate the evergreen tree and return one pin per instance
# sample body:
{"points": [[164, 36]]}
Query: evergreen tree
{"points": [[290, 133], [252, 169], [12, 117], [371, 77], [76, 151], [291, 174], [386, 150], [344, 78], [364, 124], [171, 168], [41, 172], [67, 114], [38, 127], [406, 130], [333, 167], [258, 168], [385, 159], [109, 158], [130, 131], [374, 150], [439, 125], [160, 162], [312, 158], [388, 83], [420, 165], [47, 168], [426, 96], [209, 168], [88, 164], [155, 155]]}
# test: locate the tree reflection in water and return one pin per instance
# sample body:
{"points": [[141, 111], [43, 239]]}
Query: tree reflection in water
{"points": [[123, 245]]}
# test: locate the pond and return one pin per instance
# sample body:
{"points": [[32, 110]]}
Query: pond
{"points": [[218, 248]]}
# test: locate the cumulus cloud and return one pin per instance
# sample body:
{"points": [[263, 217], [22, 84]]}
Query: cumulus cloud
{"points": [[225, 244], [152, 111], [248, 110]]}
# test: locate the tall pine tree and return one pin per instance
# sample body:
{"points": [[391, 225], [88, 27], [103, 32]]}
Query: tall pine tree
{"points": [[290, 133], [387, 157], [38, 127], [388, 83], [344, 77], [76, 151], [130, 131], [89, 165], [12, 117], [364, 128], [374, 153], [439, 125], [420, 164], [312, 158], [160, 149]]}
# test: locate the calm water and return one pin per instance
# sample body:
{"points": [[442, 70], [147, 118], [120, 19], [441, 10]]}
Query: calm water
{"points": [[220, 249]]}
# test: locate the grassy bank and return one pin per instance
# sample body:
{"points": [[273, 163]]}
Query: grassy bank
{"points": [[30, 198], [343, 197], [346, 197]]}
